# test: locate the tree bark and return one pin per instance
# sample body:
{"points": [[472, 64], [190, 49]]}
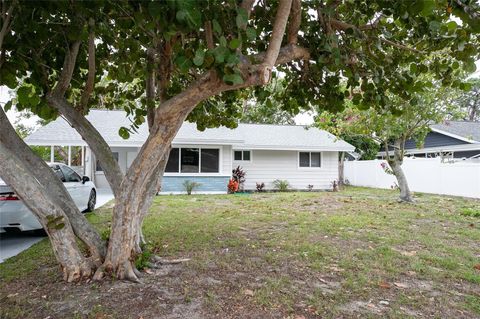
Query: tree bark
{"points": [[35, 196], [396, 165], [56, 190], [95, 141], [341, 170], [74, 265]]}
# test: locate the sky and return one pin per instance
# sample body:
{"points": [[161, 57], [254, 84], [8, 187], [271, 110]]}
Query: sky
{"points": [[301, 119]]}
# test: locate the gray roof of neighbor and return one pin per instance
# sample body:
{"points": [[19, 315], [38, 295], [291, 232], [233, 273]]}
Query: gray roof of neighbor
{"points": [[252, 136], [465, 129]]}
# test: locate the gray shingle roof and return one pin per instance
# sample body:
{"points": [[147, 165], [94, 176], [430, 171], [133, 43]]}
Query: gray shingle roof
{"points": [[465, 129], [253, 136]]}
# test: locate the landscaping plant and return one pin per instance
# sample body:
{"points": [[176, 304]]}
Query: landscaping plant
{"points": [[238, 175], [190, 186], [281, 185], [232, 186], [260, 187]]}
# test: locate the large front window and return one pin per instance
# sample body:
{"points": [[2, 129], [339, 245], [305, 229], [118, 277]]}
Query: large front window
{"points": [[193, 160]]}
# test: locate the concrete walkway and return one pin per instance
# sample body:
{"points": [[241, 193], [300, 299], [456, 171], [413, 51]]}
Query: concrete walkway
{"points": [[11, 244]]}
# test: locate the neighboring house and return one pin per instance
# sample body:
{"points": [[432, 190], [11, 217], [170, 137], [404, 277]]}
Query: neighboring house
{"points": [[453, 139], [266, 152]]}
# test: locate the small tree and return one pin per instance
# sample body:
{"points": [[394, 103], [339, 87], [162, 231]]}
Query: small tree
{"points": [[393, 125]]}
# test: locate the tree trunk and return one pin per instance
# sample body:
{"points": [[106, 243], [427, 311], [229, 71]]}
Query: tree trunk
{"points": [[35, 196], [95, 141], [396, 165], [138, 189], [341, 170], [56, 190]]}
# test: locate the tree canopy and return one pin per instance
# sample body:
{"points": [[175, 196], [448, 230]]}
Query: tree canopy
{"points": [[358, 42]]}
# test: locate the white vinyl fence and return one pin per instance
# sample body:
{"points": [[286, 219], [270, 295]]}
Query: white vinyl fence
{"points": [[423, 175]]}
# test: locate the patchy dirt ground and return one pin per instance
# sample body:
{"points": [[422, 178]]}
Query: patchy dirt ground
{"points": [[353, 254]]}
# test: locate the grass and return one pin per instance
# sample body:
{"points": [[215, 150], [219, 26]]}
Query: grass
{"points": [[309, 253]]}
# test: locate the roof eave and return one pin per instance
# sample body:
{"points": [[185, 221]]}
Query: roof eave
{"points": [[458, 137]]}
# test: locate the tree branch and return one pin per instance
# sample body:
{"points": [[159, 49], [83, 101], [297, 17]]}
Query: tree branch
{"points": [[275, 44], [89, 86], [468, 10], [281, 19], [400, 46], [7, 17], [150, 87], [67, 70], [247, 5], [210, 44], [295, 21], [342, 26]]}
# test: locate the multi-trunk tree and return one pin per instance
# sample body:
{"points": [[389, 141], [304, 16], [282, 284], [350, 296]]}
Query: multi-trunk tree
{"points": [[164, 62], [393, 125]]}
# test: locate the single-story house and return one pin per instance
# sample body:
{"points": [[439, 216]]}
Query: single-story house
{"points": [[453, 139], [302, 156]]}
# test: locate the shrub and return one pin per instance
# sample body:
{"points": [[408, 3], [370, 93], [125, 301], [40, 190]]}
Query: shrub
{"points": [[281, 185], [238, 175], [310, 187], [260, 187], [232, 186], [190, 186]]}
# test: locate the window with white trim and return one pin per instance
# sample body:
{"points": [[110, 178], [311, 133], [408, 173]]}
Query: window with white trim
{"points": [[309, 159], [193, 160], [242, 155]]}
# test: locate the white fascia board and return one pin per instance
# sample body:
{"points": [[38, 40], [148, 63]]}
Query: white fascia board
{"points": [[206, 141], [55, 143], [458, 137], [451, 148], [300, 148]]}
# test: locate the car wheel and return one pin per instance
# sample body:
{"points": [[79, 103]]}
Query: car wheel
{"points": [[92, 200]]}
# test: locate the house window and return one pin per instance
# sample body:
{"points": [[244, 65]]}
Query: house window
{"points": [[99, 167], [193, 160], [309, 159], [242, 155], [210, 160], [173, 161]]}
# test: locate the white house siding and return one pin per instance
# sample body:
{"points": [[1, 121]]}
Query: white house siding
{"points": [[126, 155], [123, 153], [266, 166]]}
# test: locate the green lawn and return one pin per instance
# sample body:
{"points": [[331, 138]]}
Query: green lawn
{"points": [[276, 255]]}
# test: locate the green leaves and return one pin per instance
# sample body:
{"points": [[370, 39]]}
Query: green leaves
{"points": [[251, 34], [183, 63], [155, 9], [233, 79], [234, 43], [428, 7], [27, 97], [242, 18], [124, 133], [216, 27], [199, 57]]}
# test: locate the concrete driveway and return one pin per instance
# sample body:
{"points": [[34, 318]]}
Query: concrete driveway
{"points": [[12, 244]]}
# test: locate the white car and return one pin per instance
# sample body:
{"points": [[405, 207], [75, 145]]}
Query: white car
{"points": [[14, 215]]}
